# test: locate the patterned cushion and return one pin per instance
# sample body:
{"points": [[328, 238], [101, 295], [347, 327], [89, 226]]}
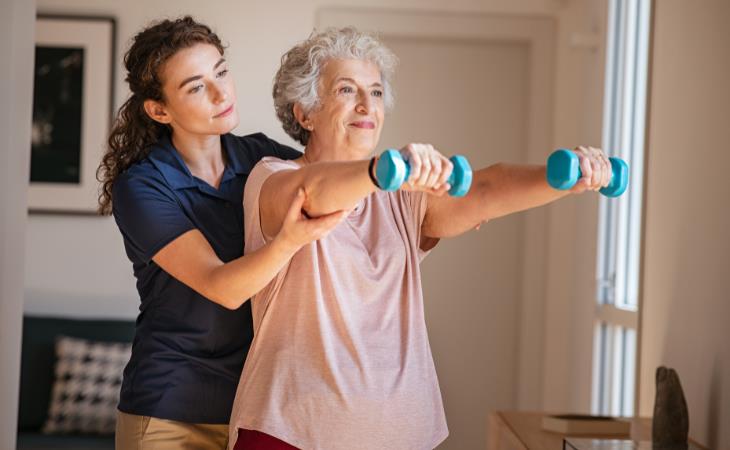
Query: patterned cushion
{"points": [[86, 388]]}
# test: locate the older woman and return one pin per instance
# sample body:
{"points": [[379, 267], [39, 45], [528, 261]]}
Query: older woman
{"points": [[340, 357]]}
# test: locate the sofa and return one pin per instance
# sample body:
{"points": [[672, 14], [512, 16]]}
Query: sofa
{"points": [[37, 377]]}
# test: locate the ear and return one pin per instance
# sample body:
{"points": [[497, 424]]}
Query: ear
{"points": [[304, 120], [157, 111]]}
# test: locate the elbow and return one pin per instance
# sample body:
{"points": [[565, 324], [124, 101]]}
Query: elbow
{"points": [[485, 209], [219, 293], [318, 201], [479, 224], [489, 190], [233, 303], [229, 302]]}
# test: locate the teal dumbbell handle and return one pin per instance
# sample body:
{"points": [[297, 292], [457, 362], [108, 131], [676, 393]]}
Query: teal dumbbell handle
{"points": [[392, 171], [563, 171]]}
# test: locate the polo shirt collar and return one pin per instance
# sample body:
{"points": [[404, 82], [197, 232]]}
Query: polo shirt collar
{"points": [[168, 161], [230, 144]]}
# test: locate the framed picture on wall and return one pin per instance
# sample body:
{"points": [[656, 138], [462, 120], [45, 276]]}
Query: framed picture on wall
{"points": [[72, 111]]}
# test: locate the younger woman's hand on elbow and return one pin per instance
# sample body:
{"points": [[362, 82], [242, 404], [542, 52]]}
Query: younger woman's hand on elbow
{"points": [[298, 230], [430, 170]]}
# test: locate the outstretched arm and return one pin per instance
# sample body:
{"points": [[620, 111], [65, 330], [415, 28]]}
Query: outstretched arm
{"points": [[504, 189], [338, 185]]}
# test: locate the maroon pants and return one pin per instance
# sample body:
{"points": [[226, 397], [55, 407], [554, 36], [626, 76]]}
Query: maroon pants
{"points": [[256, 440]]}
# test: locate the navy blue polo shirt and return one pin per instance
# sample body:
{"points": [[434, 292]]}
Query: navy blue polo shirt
{"points": [[188, 351]]}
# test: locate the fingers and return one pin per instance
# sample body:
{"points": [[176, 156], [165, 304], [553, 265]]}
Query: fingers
{"points": [[447, 168], [595, 168], [586, 167], [421, 152], [411, 155], [602, 168], [434, 162], [597, 171], [439, 191], [441, 169], [295, 209], [608, 170], [429, 169], [320, 226], [298, 230]]}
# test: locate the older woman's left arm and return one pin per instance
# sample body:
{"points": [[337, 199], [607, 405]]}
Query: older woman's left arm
{"points": [[496, 191], [504, 189]]}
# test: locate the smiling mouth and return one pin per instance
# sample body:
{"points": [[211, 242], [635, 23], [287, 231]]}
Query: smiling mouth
{"points": [[363, 124], [224, 113]]}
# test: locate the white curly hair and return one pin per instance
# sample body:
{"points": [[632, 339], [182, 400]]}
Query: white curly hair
{"points": [[297, 79]]}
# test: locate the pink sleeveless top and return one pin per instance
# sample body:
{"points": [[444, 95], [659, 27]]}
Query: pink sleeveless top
{"points": [[340, 357]]}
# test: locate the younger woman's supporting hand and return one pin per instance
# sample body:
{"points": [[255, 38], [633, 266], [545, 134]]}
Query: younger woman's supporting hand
{"points": [[191, 259], [298, 230]]}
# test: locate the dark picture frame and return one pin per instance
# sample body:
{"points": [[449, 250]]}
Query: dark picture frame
{"points": [[73, 108]]}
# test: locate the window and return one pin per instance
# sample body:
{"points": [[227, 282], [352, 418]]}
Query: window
{"points": [[619, 234]]}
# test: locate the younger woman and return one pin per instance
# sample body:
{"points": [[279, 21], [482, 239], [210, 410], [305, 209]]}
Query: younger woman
{"points": [[173, 178]]}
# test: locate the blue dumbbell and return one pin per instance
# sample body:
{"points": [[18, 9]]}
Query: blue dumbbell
{"points": [[563, 171], [392, 171]]}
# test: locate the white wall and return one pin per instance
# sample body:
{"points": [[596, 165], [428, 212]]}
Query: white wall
{"points": [[76, 266], [686, 304], [16, 92]]}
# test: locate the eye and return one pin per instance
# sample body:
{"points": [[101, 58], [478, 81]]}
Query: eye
{"points": [[195, 89], [222, 73], [346, 90], [377, 93]]}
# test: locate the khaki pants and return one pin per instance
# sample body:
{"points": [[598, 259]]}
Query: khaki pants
{"points": [[150, 433]]}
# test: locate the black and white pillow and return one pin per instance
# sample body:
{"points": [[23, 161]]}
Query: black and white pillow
{"points": [[85, 392]]}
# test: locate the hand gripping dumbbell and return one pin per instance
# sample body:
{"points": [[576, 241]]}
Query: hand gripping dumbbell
{"points": [[563, 171], [392, 171]]}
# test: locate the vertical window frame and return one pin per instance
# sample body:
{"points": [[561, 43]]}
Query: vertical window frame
{"points": [[619, 230]]}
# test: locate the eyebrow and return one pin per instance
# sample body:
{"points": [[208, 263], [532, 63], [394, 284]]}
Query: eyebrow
{"points": [[197, 77], [376, 84]]}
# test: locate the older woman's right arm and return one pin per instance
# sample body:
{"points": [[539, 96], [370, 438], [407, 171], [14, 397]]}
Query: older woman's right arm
{"points": [[327, 187], [339, 185]]}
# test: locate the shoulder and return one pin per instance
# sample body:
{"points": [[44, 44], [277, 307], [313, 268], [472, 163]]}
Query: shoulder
{"points": [[268, 166], [141, 184], [272, 164], [257, 145], [140, 175]]}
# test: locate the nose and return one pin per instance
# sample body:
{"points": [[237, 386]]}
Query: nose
{"points": [[218, 93], [364, 103]]}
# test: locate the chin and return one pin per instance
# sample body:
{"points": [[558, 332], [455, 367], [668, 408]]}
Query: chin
{"points": [[370, 148], [365, 152], [228, 125], [366, 145]]}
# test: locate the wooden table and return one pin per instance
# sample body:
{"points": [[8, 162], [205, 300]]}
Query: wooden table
{"points": [[521, 430]]}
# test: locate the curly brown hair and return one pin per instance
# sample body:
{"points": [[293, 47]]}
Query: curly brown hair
{"points": [[133, 131]]}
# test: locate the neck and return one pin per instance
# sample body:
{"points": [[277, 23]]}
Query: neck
{"points": [[316, 150], [202, 154]]}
